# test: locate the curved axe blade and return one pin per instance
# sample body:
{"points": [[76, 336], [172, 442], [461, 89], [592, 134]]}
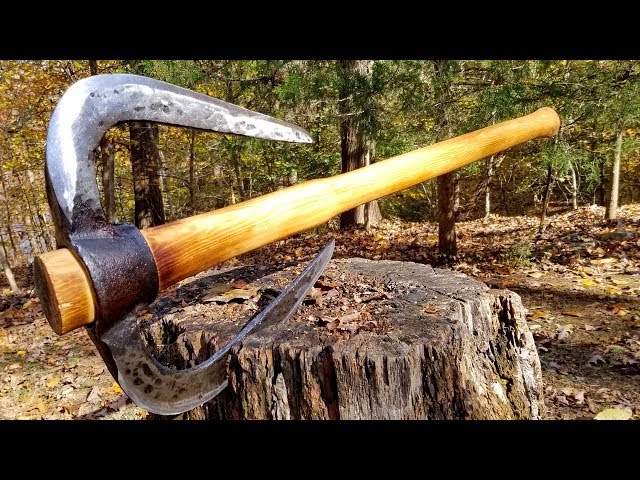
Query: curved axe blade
{"points": [[164, 391], [93, 104]]}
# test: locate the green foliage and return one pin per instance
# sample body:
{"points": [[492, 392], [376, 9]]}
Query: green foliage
{"points": [[518, 255], [595, 100]]}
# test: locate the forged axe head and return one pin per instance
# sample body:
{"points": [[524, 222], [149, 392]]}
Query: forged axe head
{"points": [[116, 257]]}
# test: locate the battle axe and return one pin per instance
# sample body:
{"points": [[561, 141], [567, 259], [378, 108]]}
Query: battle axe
{"points": [[102, 274]]}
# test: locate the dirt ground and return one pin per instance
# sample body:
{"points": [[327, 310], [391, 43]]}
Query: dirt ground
{"points": [[580, 281]]}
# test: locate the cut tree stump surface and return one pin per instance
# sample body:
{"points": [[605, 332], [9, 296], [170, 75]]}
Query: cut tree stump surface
{"points": [[373, 340]]}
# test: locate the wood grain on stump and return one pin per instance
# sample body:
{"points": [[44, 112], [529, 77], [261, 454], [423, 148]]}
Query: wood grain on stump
{"points": [[374, 340]]}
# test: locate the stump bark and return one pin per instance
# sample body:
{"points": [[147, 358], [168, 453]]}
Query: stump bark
{"points": [[373, 340]]}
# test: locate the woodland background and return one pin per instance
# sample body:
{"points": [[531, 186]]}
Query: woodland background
{"points": [[555, 220], [357, 112]]}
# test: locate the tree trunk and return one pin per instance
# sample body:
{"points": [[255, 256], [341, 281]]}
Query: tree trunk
{"points": [[614, 187], [447, 244], [292, 178], [487, 189], [27, 219], [357, 144], [40, 225], [28, 230], [107, 160], [145, 162], [220, 197], [574, 187], [6, 268], [9, 217], [165, 184], [456, 197], [602, 186], [193, 182], [421, 343], [547, 197], [237, 169], [37, 232]]}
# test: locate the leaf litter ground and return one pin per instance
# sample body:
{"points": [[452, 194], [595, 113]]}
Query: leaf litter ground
{"points": [[580, 281]]}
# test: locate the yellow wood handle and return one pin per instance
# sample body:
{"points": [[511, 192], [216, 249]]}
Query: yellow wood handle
{"points": [[188, 246]]}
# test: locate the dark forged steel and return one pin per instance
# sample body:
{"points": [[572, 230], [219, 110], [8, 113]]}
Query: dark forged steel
{"points": [[164, 391], [117, 258]]}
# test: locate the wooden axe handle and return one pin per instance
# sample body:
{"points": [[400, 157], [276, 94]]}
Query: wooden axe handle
{"points": [[185, 247]]}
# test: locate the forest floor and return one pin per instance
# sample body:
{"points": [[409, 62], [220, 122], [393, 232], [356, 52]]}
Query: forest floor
{"points": [[580, 282]]}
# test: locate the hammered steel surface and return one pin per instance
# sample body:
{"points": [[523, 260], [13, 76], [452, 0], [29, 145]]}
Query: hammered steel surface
{"points": [[92, 105]]}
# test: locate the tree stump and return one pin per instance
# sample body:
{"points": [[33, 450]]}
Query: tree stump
{"points": [[373, 340]]}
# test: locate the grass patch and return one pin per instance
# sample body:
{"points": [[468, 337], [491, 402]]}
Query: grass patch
{"points": [[33, 366]]}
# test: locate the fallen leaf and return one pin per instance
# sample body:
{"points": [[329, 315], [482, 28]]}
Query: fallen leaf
{"points": [[539, 314], [21, 353], [589, 328], [67, 390], [430, 309], [85, 410], [351, 317], [53, 382], [568, 391], [535, 274], [331, 324], [41, 407], [613, 414], [579, 397], [565, 331], [573, 313], [596, 359], [94, 395], [218, 288], [332, 293], [375, 296], [620, 309], [324, 285], [604, 261], [241, 284], [241, 294], [115, 389]]}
